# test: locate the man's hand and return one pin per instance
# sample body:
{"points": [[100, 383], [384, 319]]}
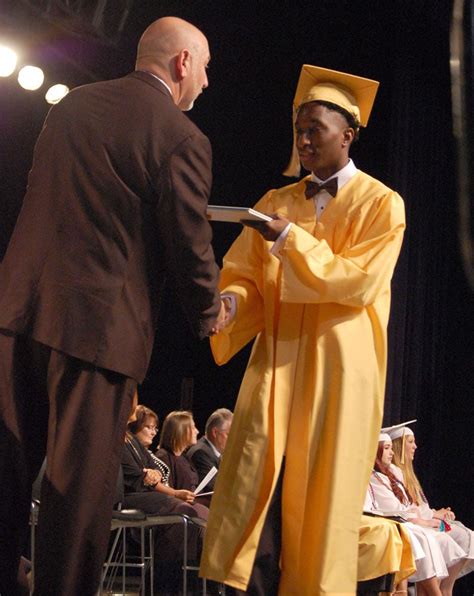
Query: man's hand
{"points": [[270, 230], [223, 318]]}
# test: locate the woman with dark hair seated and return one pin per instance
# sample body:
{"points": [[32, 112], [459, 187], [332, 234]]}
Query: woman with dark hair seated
{"points": [[146, 488]]}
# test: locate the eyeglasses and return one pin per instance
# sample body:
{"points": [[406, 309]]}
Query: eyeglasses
{"points": [[151, 427]]}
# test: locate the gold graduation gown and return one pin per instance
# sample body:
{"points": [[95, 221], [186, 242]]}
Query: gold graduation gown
{"points": [[314, 385], [384, 547]]}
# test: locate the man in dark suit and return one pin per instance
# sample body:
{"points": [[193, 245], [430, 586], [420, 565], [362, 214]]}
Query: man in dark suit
{"points": [[207, 452], [116, 202]]}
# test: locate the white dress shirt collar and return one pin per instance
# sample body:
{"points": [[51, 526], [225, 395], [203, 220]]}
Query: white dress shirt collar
{"points": [[343, 175], [217, 454], [161, 80]]}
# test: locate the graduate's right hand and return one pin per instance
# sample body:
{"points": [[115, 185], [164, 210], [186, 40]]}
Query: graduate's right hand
{"points": [[428, 523], [444, 513], [270, 230]]}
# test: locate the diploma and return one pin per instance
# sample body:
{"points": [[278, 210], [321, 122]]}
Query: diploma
{"points": [[234, 214]]}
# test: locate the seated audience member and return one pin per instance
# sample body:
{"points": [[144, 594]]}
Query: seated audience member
{"points": [[208, 450], [146, 488], [143, 471], [385, 556], [177, 434], [388, 495], [404, 447]]}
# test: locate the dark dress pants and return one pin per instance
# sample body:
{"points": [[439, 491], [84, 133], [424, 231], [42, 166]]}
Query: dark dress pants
{"points": [[75, 413]]}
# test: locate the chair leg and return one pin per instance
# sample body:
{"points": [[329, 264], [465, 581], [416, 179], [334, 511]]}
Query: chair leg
{"points": [[32, 546], [107, 564], [124, 559], [185, 555], [152, 561], [142, 559]]}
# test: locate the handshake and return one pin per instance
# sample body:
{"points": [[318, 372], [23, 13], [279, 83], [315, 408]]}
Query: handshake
{"points": [[225, 316]]}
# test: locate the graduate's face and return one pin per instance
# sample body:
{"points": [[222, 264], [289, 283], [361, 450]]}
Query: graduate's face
{"points": [[387, 453], [410, 447], [323, 139]]}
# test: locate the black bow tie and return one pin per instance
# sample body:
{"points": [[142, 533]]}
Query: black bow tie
{"points": [[312, 188]]}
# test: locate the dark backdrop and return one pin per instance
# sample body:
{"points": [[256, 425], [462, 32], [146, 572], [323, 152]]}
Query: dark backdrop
{"points": [[257, 51]]}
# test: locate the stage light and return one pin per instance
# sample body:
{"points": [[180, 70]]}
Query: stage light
{"points": [[55, 93], [31, 78], [8, 60]]}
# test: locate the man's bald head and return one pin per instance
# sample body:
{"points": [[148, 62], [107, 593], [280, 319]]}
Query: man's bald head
{"points": [[178, 53], [165, 38]]}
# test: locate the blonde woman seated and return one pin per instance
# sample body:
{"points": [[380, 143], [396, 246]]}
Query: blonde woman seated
{"points": [[178, 433], [404, 447], [388, 495]]}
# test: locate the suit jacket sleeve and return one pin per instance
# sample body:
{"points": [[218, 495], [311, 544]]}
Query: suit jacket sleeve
{"points": [[187, 233]]}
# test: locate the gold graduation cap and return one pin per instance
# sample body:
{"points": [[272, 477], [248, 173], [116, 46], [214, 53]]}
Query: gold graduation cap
{"points": [[355, 94], [397, 431]]}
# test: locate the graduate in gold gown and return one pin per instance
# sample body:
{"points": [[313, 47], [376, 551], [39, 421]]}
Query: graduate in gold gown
{"points": [[312, 287]]}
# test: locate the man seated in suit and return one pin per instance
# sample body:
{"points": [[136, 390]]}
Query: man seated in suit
{"points": [[208, 450]]}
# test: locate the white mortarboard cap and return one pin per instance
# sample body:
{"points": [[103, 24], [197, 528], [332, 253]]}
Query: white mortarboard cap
{"points": [[399, 430], [385, 438]]}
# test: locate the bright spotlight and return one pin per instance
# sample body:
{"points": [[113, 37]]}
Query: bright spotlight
{"points": [[55, 93], [31, 77], [8, 60]]}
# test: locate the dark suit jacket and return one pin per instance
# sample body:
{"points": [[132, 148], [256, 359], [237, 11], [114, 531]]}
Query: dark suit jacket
{"points": [[203, 458], [116, 200]]}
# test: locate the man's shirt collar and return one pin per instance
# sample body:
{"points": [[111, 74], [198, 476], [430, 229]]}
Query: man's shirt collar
{"points": [[343, 175]]}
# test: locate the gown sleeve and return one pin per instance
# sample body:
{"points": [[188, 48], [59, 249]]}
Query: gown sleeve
{"points": [[313, 273], [242, 275]]}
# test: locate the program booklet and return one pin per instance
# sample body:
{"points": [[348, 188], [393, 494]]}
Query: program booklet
{"points": [[207, 478]]}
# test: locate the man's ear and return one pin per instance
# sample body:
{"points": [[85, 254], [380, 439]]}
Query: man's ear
{"points": [[183, 64], [348, 136]]}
